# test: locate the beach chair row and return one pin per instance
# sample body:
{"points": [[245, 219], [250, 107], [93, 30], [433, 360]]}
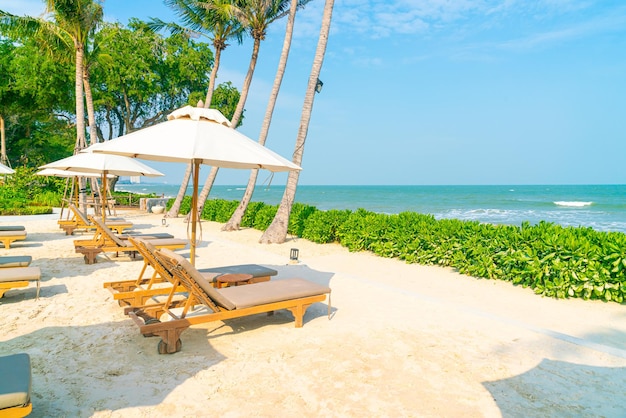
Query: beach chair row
{"points": [[79, 221]]}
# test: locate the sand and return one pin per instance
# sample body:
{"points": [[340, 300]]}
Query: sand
{"points": [[402, 341]]}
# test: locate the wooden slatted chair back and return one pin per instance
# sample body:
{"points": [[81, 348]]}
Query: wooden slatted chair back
{"points": [[175, 264]]}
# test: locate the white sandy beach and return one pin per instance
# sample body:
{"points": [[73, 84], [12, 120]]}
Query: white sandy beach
{"points": [[403, 340]]}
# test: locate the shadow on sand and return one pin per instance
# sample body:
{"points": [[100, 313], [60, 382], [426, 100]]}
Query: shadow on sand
{"points": [[59, 386], [562, 389]]}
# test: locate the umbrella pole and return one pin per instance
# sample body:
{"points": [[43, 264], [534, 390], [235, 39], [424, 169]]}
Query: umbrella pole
{"points": [[103, 196], [194, 210]]}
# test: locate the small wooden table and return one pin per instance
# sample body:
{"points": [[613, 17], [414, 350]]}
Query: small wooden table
{"points": [[233, 279]]}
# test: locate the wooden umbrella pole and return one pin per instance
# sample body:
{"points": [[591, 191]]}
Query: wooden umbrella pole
{"points": [[194, 210], [103, 195]]}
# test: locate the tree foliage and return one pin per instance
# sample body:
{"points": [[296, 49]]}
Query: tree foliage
{"points": [[136, 90], [36, 102], [131, 91]]}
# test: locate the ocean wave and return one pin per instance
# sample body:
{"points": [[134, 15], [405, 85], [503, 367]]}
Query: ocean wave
{"points": [[573, 204]]}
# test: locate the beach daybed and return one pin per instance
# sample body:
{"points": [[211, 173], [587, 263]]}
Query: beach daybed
{"points": [[7, 237], [14, 277], [15, 261], [79, 221], [138, 292], [295, 295], [106, 241], [12, 228], [15, 386]]}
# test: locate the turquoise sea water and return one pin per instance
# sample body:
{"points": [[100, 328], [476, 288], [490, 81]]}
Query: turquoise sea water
{"points": [[602, 207]]}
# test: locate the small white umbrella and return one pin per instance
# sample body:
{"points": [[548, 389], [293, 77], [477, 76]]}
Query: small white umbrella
{"points": [[6, 170], [55, 172], [197, 136], [104, 165]]}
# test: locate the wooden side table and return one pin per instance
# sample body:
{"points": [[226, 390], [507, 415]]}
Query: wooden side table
{"points": [[233, 279]]}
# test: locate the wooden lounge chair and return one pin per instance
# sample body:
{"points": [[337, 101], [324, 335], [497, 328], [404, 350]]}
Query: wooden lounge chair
{"points": [[106, 241], [79, 221], [15, 261], [138, 292], [102, 231], [15, 386], [13, 277], [295, 295], [7, 237]]}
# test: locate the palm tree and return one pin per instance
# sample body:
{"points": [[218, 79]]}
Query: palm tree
{"points": [[235, 220], [255, 16], [277, 231], [73, 23], [202, 17]]}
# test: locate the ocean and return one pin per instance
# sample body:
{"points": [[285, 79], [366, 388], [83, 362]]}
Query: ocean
{"points": [[602, 207]]}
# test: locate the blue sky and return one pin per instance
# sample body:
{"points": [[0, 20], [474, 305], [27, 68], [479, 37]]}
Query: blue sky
{"points": [[438, 91]]}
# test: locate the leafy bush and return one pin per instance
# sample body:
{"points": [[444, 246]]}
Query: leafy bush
{"points": [[322, 226], [264, 217], [25, 193], [251, 213], [552, 260], [299, 215]]}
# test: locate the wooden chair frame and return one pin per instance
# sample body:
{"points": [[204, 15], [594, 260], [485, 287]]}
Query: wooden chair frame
{"points": [[104, 240], [147, 317], [79, 221], [8, 237]]}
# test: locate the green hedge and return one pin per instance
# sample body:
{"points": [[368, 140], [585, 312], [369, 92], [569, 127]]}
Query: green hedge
{"points": [[553, 260], [25, 193]]}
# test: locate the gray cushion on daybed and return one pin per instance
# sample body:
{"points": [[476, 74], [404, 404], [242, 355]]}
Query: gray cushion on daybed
{"points": [[15, 261], [15, 385], [270, 292]]}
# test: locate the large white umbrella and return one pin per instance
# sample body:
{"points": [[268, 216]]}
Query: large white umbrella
{"points": [[6, 170], [197, 136], [104, 165]]}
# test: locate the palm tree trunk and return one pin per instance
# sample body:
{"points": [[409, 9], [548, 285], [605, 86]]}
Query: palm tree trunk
{"points": [[93, 138], [80, 118], [204, 194], [91, 113], [175, 209], [80, 100], [276, 233], [206, 189], [246, 84], [3, 143], [216, 64], [235, 220]]}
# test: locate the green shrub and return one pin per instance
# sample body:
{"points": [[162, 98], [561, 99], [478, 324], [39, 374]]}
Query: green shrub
{"points": [[264, 217], [48, 198], [322, 226], [251, 213], [299, 215]]}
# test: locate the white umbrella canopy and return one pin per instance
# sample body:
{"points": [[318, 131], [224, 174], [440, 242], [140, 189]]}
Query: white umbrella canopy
{"points": [[90, 162], [55, 172], [197, 136], [87, 162], [6, 170]]}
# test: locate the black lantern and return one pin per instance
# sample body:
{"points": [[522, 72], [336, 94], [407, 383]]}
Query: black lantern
{"points": [[293, 254]]}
